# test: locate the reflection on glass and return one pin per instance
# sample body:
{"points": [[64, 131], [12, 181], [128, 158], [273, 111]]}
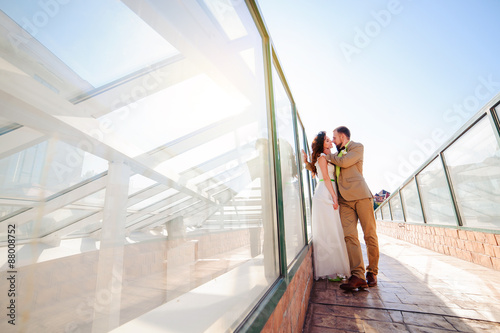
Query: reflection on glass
{"points": [[386, 212], [152, 199], [306, 181], [396, 209], [435, 193], [50, 223], [40, 171], [156, 194], [473, 162], [411, 202], [227, 17], [127, 42], [294, 231], [95, 200], [139, 183]]}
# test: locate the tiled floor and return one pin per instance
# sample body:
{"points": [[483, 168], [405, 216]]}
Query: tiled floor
{"points": [[418, 291]]}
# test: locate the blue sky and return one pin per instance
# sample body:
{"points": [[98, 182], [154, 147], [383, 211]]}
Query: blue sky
{"points": [[402, 75]]}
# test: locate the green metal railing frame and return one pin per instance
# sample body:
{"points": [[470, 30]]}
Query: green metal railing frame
{"points": [[258, 317], [493, 117]]}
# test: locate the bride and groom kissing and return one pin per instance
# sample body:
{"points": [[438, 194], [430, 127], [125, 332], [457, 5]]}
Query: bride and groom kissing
{"points": [[341, 198]]}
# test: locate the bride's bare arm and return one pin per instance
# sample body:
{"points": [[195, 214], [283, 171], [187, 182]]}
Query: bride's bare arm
{"points": [[323, 165]]}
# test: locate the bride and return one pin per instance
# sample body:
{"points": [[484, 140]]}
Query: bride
{"points": [[330, 253]]}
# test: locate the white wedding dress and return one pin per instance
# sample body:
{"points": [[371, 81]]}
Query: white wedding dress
{"points": [[330, 253]]}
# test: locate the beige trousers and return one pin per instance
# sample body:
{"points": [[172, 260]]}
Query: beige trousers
{"points": [[350, 212]]}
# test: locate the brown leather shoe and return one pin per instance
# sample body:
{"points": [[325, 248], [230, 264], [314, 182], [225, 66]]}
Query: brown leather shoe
{"points": [[354, 283], [371, 279]]}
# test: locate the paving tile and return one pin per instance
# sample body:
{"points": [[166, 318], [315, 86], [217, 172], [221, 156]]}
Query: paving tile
{"points": [[389, 297], [426, 320], [396, 316], [324, 296], [372, 303], [362, 313], [321, 308], [420, 329], [439, 310], [316, 329], [373, 326], [323, 320], [467, 313], [401, 306], [467, 325], [349, 324], [336, 322], [422, 300], [491, 315]]}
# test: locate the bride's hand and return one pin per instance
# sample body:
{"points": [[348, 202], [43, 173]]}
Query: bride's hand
{"points": [[304, 156], [335, 203]]}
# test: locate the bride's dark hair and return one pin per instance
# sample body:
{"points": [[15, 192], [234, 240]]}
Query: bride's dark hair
{"points": [[317, 148]]}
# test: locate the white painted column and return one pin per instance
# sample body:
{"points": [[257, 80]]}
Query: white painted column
{"points": [[107, 302]]}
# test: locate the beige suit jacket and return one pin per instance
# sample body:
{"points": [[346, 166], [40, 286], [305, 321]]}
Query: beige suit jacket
{"points": [[351, 183]]}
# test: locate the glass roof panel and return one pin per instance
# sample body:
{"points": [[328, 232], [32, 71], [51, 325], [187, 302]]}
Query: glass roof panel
{"points": [[125, 44], [50, 223], [151, 200], [87, 229], [94, 200], [139, 182], [228, 18]]}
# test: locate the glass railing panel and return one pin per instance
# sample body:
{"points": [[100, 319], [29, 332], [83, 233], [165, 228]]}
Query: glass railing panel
{"points": [[396, 209], [473, 163], [411, 202], [305, 181], [189, 208], [386, 212], [378, 215], [294, 230], [436, 195]]}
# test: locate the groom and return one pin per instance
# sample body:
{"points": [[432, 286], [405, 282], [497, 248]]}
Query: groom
{"points": [[356, 202]]}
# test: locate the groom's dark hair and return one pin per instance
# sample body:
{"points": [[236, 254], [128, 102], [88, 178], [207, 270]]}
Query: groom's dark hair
{"points": [[343, 130]]}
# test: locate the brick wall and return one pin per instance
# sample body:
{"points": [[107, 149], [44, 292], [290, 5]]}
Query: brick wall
{"points": [[474, 246], [290, 313]]}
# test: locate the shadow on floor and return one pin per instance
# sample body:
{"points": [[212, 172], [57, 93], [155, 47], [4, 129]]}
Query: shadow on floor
{"points": [[402, 302]]}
